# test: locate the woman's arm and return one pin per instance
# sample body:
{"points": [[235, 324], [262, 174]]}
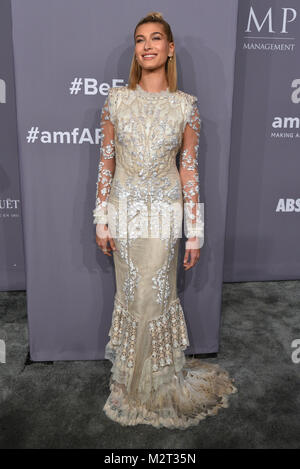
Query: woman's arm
{"points": [[188, 170], [106, 167], [106, 170]]}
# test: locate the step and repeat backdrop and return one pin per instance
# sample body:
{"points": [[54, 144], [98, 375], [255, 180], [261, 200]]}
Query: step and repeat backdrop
{"points": [[239, 59], [263, 205], [12, 267]]}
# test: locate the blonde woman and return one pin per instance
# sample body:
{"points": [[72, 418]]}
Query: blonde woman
{"points": [[141, 201]]}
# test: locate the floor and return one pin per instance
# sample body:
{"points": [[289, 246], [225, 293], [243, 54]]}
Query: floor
{"points": [[54, 404]]}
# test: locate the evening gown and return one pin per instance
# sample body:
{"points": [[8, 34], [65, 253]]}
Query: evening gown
{"points": [[152, 381]]}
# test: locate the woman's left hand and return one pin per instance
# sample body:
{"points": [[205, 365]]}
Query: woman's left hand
{"points": [[192, 253]]}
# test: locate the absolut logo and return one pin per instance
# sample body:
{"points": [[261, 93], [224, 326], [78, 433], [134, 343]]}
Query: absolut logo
{"points": [[288, 205]]}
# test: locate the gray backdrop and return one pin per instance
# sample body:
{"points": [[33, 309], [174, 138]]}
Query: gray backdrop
{"points": [[70, 283], [263, 217], [12, 274]]}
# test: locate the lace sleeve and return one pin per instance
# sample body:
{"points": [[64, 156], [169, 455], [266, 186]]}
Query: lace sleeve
{"points": [[106, 166], [189, 176]]}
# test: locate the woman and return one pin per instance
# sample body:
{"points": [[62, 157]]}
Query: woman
{"points": [[141, 192]]}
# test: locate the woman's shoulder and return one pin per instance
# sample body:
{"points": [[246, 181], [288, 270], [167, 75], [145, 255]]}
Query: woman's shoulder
{"points": [[118, 92], [115, 94], [189, 98]]}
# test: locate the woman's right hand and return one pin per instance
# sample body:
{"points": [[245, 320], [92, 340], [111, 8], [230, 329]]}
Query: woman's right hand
{"points": [[104, 239]]}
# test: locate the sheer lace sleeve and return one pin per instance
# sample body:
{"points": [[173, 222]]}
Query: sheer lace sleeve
{"points": [[189, 176], [106, 166]]}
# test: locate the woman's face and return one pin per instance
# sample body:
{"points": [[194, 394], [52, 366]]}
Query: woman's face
{"points": [[151, 40]]}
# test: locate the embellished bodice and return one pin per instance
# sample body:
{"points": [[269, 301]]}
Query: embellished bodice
{"points": [[141, 134], [148, 134]]}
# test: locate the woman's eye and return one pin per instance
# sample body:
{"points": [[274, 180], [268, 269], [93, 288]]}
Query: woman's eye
{"points": [[139, 40]]}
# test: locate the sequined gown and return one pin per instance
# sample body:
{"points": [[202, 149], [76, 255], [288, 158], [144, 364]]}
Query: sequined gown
{"points": [[152, 381]]}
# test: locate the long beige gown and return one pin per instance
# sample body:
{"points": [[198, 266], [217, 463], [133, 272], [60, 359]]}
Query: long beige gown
{"points": [[139, 189]]}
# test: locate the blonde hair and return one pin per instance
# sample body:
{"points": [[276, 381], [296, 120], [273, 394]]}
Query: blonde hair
{"points": [[170, 67]]}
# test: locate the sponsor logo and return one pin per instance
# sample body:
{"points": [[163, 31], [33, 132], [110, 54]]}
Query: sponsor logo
{"points": [[267, 31]]}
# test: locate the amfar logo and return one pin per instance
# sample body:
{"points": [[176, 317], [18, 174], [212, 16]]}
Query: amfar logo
{"points": [[2, 91], [286, 124], [295, 96], [288, 16]]}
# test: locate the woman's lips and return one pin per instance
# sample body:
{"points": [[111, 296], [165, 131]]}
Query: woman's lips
{"points": [[149, 58]]}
